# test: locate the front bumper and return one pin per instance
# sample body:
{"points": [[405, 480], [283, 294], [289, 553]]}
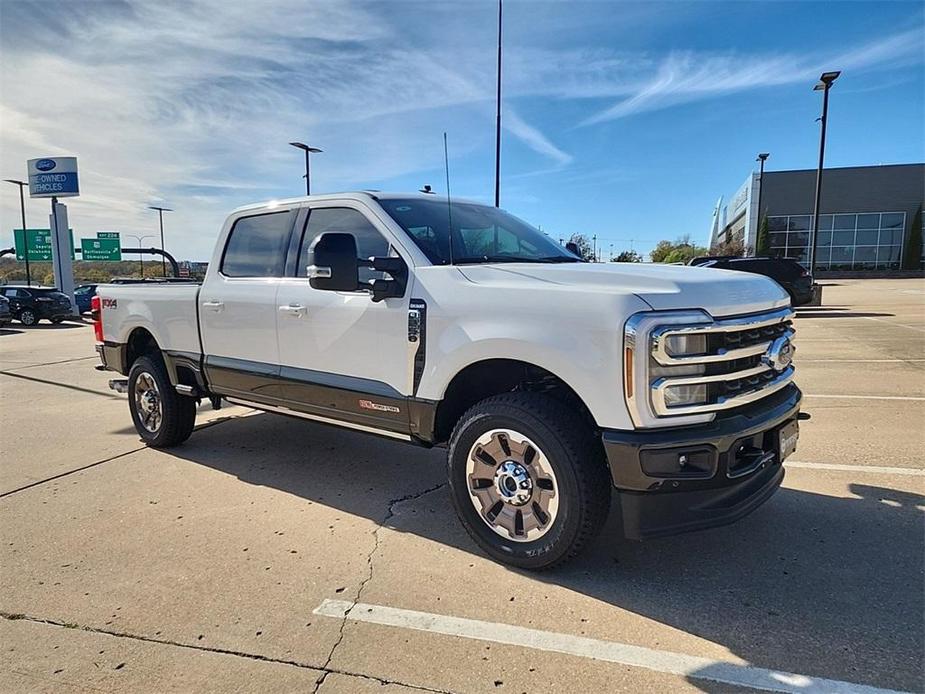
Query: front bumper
{"points": [[731, 466]]}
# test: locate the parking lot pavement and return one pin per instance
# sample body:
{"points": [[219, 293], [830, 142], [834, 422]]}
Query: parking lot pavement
{"points": [[272, 554]]}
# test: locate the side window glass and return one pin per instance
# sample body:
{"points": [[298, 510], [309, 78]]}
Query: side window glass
{"points": [[346, 221], [257, 245]]}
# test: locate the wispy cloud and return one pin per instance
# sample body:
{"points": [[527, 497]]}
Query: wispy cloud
{"points": [[684, 77]]}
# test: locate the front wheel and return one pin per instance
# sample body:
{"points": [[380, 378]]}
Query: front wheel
{"points": [[162, 417], [528, 481]]}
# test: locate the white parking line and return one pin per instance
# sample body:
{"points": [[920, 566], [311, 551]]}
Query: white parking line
{"points": [[912, 472], [608, 651], [855, 361], [898, 325], [863, 397]]}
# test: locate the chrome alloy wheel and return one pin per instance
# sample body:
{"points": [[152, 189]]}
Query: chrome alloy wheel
{"points": [[148, 402], [511, 485]]}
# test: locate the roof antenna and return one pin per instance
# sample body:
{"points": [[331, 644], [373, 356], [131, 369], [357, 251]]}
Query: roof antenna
{"points": [[449, 207]]}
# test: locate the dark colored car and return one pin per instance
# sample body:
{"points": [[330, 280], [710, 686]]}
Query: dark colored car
{"points": [[5, 316], [29, 305], [789, 274], [82, 295]]}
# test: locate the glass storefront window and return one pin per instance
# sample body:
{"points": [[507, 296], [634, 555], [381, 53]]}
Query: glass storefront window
{"points": [[865, 240], [893, 220], [869, 221], [777, 224], [846, 221]]}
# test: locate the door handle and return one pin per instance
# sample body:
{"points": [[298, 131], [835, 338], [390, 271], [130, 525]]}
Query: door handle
{"points": [[294, 310], [214, 305]]}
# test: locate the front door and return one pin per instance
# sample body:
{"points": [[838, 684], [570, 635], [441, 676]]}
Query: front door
{"points": [[343, 356]]}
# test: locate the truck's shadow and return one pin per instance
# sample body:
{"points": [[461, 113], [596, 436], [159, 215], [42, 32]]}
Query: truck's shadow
{"points": [[811, 583]]}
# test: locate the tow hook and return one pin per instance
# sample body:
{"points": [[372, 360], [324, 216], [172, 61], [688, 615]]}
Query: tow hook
{"points": [[803, 416], [120, 385]]}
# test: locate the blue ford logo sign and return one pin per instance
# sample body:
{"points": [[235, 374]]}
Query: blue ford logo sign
{"points": [[780, 354], [45, 164]]}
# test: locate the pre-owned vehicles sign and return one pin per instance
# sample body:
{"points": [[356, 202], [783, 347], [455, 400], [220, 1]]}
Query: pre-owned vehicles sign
{"points": [[53, 177]]}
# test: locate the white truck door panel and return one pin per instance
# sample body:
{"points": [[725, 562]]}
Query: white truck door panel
{"points": [[237, 305], [341, 351]]}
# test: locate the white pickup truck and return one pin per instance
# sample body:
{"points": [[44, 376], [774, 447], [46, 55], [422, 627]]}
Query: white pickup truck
{"points": [[559, 387]]}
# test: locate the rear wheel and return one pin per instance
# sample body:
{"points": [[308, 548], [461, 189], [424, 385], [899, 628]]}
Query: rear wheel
{"points": [[162, 417], [527, 480], [28, 317]]}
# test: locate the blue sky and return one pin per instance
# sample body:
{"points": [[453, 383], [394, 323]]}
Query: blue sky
{"points": [[624, 120]]}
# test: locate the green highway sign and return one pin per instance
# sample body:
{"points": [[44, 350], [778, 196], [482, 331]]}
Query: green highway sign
{"points": [[107, 234], [100, 249], [39, 244]]}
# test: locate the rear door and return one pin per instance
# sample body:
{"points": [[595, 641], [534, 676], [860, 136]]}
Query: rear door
{"points": [[237, 306]]}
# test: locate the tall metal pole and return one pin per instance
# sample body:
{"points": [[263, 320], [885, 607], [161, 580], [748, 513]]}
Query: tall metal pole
{"points": [[160, 219], [498, 119], [761, 159], [25, 235], [308, 178], [824, 84]]}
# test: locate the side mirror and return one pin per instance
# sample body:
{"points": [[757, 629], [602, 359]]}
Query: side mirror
{"points": [[572, 247], [334, 263], [388, 288]]}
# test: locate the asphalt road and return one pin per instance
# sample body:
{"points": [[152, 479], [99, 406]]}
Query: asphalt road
{"points": [[270, 554]]}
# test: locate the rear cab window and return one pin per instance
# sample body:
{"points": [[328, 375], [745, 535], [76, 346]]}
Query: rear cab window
{"points": [[257, 244]]}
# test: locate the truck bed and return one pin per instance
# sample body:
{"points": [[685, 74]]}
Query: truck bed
{"points": [[166, 310]]}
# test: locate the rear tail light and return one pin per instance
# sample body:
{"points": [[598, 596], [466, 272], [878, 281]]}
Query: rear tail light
{"points": [[97, 318]]}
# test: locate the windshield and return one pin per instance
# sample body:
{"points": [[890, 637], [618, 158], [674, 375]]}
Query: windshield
{"points": [[480, 234]]}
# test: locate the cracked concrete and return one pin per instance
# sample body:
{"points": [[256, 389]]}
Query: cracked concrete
{"points": [[390, 511]]}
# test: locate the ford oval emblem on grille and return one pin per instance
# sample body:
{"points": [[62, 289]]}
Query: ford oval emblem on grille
{"points": [[45, 164], [780, 354]]}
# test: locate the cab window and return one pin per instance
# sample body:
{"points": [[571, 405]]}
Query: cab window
{"points": [[344, 220], [257, 245]]}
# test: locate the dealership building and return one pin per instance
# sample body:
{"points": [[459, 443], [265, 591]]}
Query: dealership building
{"points": [[866, 215]]}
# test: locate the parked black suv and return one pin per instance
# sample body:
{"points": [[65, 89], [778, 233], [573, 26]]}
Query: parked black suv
{"points": [[29, 305], [789, 274]]}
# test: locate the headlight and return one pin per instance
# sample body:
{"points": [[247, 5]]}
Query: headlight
{"points": [[686, 345], [676, 396]]}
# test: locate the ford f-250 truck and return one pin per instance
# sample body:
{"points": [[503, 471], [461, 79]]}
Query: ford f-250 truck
{"points": [[558, 387]]}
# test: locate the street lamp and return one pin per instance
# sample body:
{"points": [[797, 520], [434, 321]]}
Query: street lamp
{"points": [[308, 151], [762, 158], [141, 257], [824, 84], [25, 234], [160, 216]]}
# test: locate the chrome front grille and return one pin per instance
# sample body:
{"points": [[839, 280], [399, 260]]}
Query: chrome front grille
{"points": [[743, 360]]}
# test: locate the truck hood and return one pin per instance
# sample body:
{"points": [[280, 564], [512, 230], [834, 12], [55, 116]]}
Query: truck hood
{"points": [[663, 287]]}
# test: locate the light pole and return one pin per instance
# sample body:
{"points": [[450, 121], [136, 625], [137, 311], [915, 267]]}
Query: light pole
{"points": [[141, 257], [25, 233], [498, 119], [308, 152], [762, 158], [160, 217], [824, 84]]}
